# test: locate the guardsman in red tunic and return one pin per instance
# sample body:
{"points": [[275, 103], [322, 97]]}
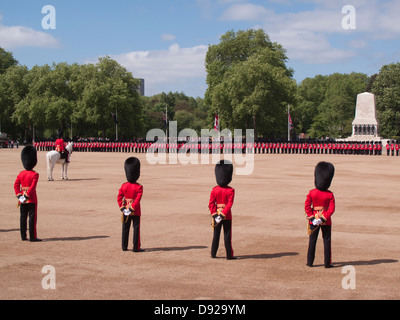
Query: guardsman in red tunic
{"points": [[354, 148], [371, 148], [319, 207], [379, 148], [61, 148], [60, 143], [305, 148], [129, 196], [220, 204], [25, 190]]}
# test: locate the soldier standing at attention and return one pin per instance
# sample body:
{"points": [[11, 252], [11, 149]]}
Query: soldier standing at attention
{"points": [[25, 190], [220, 204], [319, 207], [129, 196]]}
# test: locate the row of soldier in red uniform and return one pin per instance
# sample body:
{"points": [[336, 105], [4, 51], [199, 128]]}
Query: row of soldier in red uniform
{"points": [[258, 147], [95, 146], [316, 147], [392, 148]]}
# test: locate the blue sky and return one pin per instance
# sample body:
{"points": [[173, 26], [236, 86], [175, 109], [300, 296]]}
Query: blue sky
{"points": [[165, 41]]}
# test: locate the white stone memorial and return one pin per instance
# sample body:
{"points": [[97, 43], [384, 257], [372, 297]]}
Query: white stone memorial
{"points": [[365, 125]]}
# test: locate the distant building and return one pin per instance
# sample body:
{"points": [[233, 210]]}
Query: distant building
{"points": [[141, 87]]}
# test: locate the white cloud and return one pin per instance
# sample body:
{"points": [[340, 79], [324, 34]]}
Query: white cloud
{"points": [[310, 47], [230, 1], [19, 36], [168, 37], [308, 34], [386, 25], [248, 12], [358, 44], [303, 34], [164, 68]]}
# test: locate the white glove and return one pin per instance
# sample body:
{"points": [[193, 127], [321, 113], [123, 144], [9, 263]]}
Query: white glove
{"points": [[127, 212], [317, 222], [218, 219], [22, 199]]}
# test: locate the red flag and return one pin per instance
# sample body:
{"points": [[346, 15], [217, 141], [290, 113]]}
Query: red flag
{"points": [[216, 123]]}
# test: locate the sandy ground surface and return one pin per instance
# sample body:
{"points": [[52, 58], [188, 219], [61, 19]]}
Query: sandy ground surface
{"points": [[79, 222]]}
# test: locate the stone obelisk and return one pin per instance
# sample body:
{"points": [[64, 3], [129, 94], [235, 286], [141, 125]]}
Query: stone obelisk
{"points": [[365, 125]]}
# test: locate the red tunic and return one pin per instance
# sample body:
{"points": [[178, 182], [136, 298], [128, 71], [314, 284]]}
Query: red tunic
{"points": [[223, 196], [131, 191], [26, 182], [317, 198], [60, 145]]}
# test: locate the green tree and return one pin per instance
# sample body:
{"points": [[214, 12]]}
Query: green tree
{"points": [[48, 103], [310, 94], [30, 111], [187, 111], [83, 97], [184, 119], [249, 85], [6, 60], [10, 91], [109, 88], [386, 88], [326, 104], [13, 88]]}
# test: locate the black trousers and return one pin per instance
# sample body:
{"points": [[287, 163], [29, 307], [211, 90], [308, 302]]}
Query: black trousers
{"points": [[227, 224], [135, 220], [28, 210], [327, 236]]}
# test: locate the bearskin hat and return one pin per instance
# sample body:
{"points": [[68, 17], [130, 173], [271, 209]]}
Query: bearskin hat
{"points": [[324, 172], [224, 172], [132, 169], [29, 157]]}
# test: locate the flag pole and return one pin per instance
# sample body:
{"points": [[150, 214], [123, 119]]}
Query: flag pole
{"points": [[116, 124], [166, 123], [219, 129], [288, 120], [216, 125]]}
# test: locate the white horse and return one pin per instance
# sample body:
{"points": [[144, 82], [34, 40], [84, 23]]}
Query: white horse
{"points": [[54, 157]]}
